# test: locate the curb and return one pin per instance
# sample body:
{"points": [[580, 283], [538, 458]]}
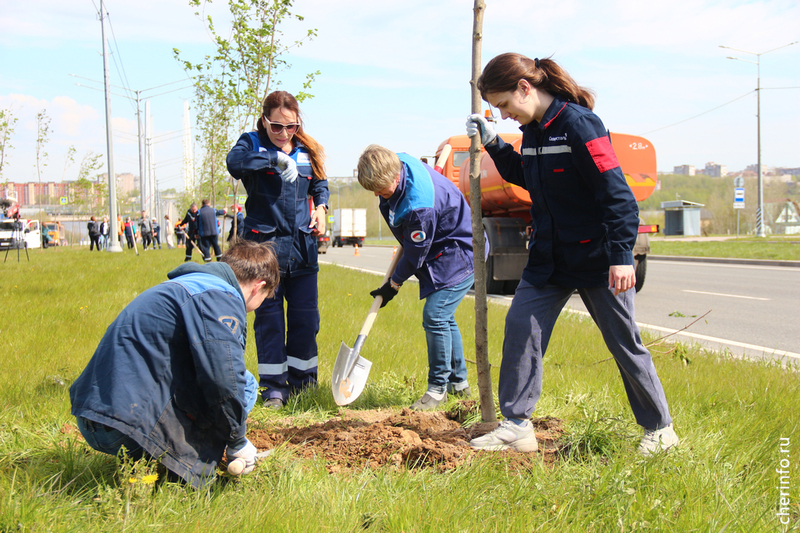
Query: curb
{"points": [[733, 261]]}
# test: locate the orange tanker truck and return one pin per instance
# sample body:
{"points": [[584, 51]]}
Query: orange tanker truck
{"points": [[506, 207]]}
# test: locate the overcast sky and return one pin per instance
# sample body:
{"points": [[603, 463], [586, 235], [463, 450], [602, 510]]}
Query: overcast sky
{"points": [[397, 74]]}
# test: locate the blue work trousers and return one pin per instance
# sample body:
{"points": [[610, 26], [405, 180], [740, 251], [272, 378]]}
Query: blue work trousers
{"points": [[109, 440], [529, 324], [287, 344], [446, 365]]}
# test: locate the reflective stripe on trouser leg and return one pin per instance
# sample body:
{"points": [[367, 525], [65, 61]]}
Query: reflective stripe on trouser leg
{"points": [[281, 374], [446, 362], [529, 324], [302, 323], [189, 248], [269, 330], [614, 315]]}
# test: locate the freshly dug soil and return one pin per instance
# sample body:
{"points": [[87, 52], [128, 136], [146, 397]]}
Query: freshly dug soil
{"points": [[403, 440]]}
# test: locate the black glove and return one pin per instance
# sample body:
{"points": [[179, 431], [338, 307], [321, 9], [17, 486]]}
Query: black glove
{"points": [[386, 291]]}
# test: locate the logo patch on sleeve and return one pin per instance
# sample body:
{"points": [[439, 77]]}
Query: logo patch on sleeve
{"points": [[230, 322], [418, 236]]}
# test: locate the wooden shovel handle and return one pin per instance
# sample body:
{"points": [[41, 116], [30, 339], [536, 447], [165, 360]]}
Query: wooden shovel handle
{"points": [[373, 311]]}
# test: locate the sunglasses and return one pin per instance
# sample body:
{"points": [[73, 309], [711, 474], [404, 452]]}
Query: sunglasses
{"points": [[277, 127]]}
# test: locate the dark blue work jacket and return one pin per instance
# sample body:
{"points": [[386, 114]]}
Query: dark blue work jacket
{"points": [[584, 215], [278, 211], [429, 216], [170, 372], [207, 220]]}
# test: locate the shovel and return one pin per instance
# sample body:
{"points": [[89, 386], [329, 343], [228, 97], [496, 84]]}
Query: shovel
{"points": [[350, 371]]}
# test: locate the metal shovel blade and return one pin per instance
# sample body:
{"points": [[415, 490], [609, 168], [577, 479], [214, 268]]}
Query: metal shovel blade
{"points": [[350, 373]]}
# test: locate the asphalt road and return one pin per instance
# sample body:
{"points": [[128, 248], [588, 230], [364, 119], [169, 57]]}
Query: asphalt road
{"points": [[752, 311]]}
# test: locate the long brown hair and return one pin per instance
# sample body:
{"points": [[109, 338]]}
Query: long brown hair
{"points": [[503, 73], [282, 99]]}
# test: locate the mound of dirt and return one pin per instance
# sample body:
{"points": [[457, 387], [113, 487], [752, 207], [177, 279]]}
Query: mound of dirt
{"points": [[408, 439]]}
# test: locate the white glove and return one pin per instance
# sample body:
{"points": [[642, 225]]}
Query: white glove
{"points": [[477, 124], [287, 167], [247, 452]]}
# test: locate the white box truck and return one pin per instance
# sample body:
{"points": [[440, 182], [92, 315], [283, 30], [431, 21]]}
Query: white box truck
{"points": [[349, 226]]}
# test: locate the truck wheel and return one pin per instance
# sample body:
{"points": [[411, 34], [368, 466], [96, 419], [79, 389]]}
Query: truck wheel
{"points": [[510, 286], [492, 286], [641, 270]]}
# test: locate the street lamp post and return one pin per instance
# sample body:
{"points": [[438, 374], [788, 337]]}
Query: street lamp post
{"points": [[760, 209]]}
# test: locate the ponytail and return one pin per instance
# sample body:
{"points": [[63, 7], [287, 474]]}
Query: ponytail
{"points": [[503, 73]]}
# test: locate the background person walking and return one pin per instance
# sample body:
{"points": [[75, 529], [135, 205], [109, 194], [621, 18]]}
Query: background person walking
{"points": [[156, 234], [130, 232], [208, 231], [190, 224], [585, 222], [169, 231], [104, 230], [146, 229], [94, 233]]}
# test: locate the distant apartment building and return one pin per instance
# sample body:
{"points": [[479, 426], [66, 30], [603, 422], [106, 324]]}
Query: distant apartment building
{"points": [[33, 193], [790, 171], [126, 182], [765, 170], [715, 171], [684, 170]]}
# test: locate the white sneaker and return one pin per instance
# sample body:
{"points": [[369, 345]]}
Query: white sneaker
{"points": [[508, 436], [658, 440]]}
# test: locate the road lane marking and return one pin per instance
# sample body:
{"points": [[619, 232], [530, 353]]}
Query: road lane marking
{"points": [[728, 295], [724, 342], [506, 300]]}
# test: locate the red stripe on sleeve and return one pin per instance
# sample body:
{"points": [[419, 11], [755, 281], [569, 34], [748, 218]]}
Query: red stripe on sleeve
{"points": [[602, 153]]}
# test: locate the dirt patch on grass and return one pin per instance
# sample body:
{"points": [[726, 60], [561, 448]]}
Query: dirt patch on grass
{"points": [[404, 440]]}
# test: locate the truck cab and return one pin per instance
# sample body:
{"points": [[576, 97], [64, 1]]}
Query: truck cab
{"points": [[20, 233], [506, 208]]}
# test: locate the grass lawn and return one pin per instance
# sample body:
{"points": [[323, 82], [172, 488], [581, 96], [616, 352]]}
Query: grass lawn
{"points": [[737, 420], [772, 247]]}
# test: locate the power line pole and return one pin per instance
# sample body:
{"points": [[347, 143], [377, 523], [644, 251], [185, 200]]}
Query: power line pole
{"points": [[112, 180], [760, 232], [141, 150]]}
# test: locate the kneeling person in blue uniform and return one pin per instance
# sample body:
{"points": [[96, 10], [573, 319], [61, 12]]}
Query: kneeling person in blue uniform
{"points": [[168, 379], [431, 219]]}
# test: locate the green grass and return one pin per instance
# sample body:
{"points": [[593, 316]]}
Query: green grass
{"points": [[730, 415], [771, 247]]}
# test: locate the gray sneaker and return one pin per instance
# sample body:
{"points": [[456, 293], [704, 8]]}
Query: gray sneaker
{"points": [[658, 440], [508, 436], [273, 403], [427, 403], [463, 393]]}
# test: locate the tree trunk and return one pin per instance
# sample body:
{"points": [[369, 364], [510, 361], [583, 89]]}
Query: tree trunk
{"points": [[478, 237]]}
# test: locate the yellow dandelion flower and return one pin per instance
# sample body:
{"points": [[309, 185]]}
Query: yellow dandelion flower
{"points": [[149, 480], [132, 480]]}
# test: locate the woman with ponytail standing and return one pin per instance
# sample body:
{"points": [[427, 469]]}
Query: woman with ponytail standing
{"points": [[281, 167], [584, 225]]}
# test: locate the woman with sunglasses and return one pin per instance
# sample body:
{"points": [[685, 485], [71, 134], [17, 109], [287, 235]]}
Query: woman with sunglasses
{"points": [[281, 167], [585, 222]]}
